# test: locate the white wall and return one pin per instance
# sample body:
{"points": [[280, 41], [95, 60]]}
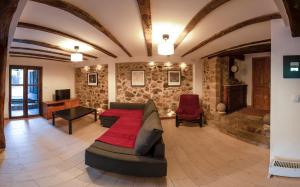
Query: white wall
{"points": [[245, 72], [56, 75], [285, 123]]}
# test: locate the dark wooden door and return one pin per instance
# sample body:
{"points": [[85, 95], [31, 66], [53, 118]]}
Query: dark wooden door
{"points": [[261, 75]]}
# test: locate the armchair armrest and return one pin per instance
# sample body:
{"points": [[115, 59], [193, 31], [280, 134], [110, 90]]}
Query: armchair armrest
{"points": [[179, 111], [127, 106]]}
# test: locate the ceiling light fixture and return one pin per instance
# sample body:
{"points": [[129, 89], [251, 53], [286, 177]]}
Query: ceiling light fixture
{"points": [[76, 57], [98, 67], [151, 63], [183, 65], [166, 47]]}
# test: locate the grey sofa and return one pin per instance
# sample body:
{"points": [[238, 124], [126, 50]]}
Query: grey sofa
{"points": [[146, 159]]}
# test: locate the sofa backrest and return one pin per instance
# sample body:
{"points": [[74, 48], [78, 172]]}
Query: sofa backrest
{"points": [[149, 135], [148, 109]]}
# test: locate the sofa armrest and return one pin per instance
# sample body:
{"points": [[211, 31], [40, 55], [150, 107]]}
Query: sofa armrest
{"points": [[127, 106]]}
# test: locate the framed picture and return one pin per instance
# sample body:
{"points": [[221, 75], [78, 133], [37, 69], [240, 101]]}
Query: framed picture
{"points": [[92, 79], [138, 78], [174, 78]]}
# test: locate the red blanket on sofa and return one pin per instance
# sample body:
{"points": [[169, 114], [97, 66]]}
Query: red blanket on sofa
{"points": [[124, 132]]}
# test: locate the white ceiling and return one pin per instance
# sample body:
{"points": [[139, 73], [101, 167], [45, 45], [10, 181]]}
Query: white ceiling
{"points": [[122, 19]]}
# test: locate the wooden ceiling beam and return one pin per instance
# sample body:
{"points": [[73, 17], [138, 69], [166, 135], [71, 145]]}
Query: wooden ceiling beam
{"points": [[36, 57], [207, 9], [237, 46], [292, 8], [43, 51], [145, 12], [47, 45], [63, 34], [258, 48], [76, 11], [233, 28]]}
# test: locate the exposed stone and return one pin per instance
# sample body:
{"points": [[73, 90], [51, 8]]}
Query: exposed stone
{"points": [[156, 86], [92, 96]]}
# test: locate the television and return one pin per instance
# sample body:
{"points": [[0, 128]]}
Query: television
{"points": [[62, 94]]}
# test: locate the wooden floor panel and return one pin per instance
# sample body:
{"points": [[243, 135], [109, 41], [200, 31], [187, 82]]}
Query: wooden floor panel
{"points": [[39, 154]]}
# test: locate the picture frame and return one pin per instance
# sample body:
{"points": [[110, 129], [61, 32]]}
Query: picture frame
{"points": [[138, 78], [174, 78], [92, 79]]}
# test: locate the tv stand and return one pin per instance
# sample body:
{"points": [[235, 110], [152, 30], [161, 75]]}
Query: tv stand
{"points": [[53, 106]]}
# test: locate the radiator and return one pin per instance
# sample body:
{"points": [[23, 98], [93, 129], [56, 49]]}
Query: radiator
{"points": [[285, 168]]}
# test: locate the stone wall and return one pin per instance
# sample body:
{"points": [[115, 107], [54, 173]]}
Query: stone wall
{"points": [[215, 75], [166, 98], [92, 96]]}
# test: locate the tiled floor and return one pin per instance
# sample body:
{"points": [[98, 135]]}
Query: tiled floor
{"points": [[38, 154]]}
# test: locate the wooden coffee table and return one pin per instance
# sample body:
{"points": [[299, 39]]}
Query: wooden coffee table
{"points": [[73, 114]]}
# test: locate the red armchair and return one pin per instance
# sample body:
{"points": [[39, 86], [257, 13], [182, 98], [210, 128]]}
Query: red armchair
{"points": [[189, 110]]}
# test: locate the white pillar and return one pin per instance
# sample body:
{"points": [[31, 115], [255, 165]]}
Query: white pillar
{"points": [[111, 82]]}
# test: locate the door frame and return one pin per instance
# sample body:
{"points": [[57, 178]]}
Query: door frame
{"points": [[263, 57], [25, 85]]}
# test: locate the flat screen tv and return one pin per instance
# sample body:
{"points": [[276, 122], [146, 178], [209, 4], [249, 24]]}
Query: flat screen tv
{"points": [[62, 94]]}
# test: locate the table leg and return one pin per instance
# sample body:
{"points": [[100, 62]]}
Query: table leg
{"points": [[53, 118], [70, 126], [95, 113]]}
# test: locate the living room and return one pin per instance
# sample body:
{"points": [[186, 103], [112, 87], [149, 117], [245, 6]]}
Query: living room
{"points": [[149, 93]]}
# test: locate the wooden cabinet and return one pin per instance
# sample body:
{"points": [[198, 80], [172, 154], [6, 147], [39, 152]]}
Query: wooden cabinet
{"points": [[52, 106], [235, 97]]}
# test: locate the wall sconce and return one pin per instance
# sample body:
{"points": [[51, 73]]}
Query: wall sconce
{"points": [[183, 65], [168, 64], [98, 67], [86, 68], [151, 63]]}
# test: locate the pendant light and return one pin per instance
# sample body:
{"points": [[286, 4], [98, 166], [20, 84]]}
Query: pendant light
{"points": [[76, 57], [166, 47]]}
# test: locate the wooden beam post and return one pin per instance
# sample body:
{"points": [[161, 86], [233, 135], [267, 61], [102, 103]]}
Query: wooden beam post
{"points": [[7, 10]]}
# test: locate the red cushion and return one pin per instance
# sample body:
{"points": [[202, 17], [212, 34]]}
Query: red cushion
{"points": [[124, 132]]}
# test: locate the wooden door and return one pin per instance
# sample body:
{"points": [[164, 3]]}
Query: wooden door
{"points": [[261, 76]]}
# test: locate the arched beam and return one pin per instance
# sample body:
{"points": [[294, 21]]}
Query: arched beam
{"points": [[63, 34], [235, 27], [36, 57], [43, 51], [207, 9], [292, 8], [72, 9], [236, 47], [47, 45], [145, 11], [7, 11]]}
